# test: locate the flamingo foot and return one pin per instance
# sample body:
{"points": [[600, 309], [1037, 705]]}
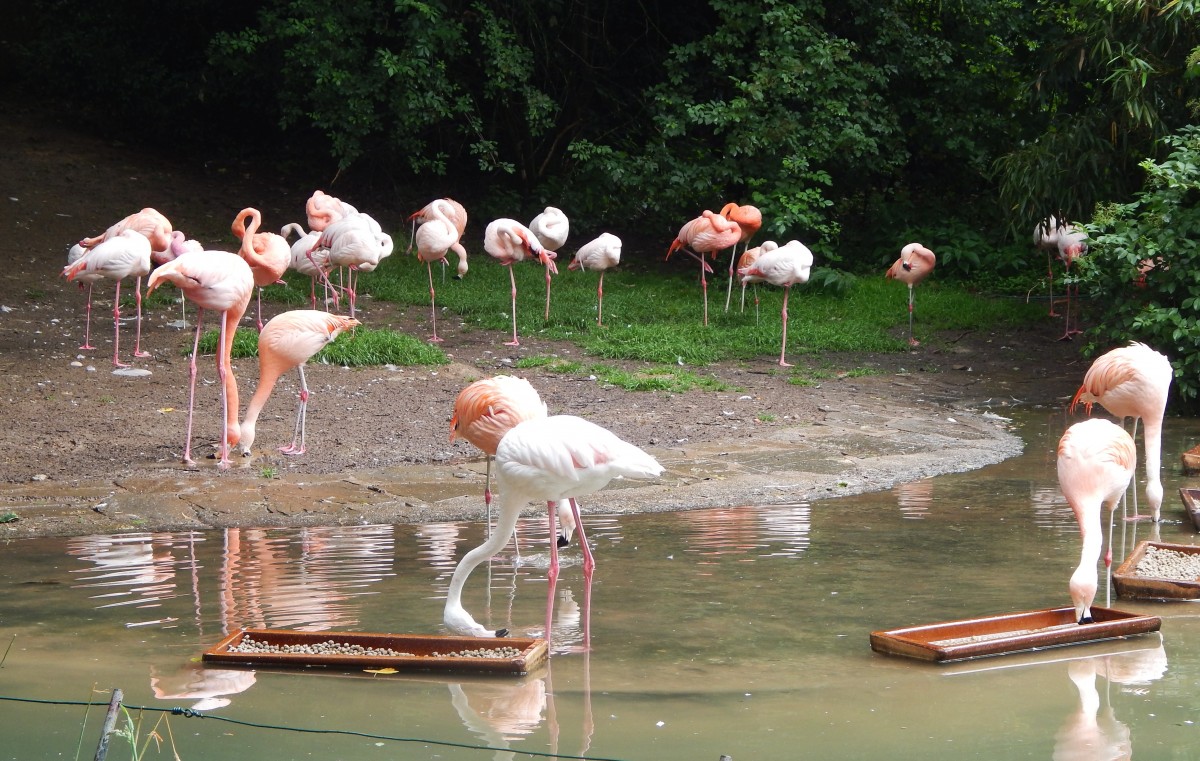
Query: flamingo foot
{"points": [[291, 450], [1138, 518], [913, 342], [785, 364], [434, 340], [87, 347], [118, 363], [512, 343], [142, 354]]}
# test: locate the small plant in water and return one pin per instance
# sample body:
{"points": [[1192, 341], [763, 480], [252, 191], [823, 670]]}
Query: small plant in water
{"points": [[267, 471]]}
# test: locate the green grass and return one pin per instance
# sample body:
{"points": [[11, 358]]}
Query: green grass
{"points": [[360, 347], [654, 378]]}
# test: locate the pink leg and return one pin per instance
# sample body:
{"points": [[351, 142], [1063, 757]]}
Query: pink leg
{"points": [[260, 322], [137, 341], [301, 419], [87, 325], [187, 445], [783, 349], [552, 572], [547, 315], [589, 562], [911, 341], [729, 287], [704, 286], [433, 304], [1050, 272], [117, 327], [223, 462], [1069, 334], [312, 291], [600, 299], [513, 279]]}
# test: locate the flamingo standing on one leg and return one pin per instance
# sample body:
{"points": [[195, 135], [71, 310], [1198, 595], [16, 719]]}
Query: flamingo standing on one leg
{"points": [[1133, 381], [749, 218], [551, 228], [1045, 237], [355, 242], [1072, 244], [1096, 459], [747, 260], [457, 215], [544, 460], [785, 266], [267, 254], [599, 254], [148, 222], [322, 210], [89, 279], [706, 234], [116, 258], [437, 235], [289, 340], [222, 282], [508, 241], [314, 267], [913, 266]]}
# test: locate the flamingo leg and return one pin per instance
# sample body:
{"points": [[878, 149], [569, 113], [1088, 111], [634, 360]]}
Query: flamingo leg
{"points": [[512, 278], [1050, 272], [433, 306], [729, 288], [1068, 334], [260, 322], [223, 371], [704, 286], [301, 419], [187, 443], [783, 348], [117, 327], [589, 562], [137, 341], [600, 300], [547, 315], [87, 325], [552, 571], [911, 341]]}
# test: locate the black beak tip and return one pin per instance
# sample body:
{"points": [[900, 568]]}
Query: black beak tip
{"points": [[563, 541], [501, 633]]}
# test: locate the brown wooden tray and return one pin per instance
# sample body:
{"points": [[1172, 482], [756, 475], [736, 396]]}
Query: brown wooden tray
{"points": [[1191, 503], [1008, 633], [1132, 586], [418, 651]]}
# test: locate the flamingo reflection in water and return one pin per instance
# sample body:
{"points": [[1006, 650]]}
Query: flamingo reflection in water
{"points": [[210, 688]]}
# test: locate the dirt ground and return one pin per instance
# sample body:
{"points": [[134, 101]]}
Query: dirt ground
{"points": [[86, 450]]}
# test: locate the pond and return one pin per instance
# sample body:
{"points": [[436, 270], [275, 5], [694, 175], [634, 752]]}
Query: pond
{"points": [[740, 631]]}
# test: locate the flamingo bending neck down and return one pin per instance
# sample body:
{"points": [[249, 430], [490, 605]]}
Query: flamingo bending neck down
{"points": [[1096, 459], [289, 340], [750, 220], [561, 457]]}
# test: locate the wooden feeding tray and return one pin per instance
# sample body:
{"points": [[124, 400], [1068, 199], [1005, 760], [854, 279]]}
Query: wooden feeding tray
{"points": [[1191, 502], [1009, 633], [1131, 585], [359, 650], [1191, 460]]}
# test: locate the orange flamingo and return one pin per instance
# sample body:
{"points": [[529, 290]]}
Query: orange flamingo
{"points": [[1096, 459], [508, 241], [222, 282], [551, 228], [322, 210], [267, 254], [599, 254], [546, 460], [289, 340], [115, 258], [1133, 381], [913, 266], [437, 235], [785, 266], [749, 219], [706, 234]]}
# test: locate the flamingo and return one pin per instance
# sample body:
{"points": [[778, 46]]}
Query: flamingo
{"points": [[913, 266], [1096, 460], [289, 340], [438, 234], [314, 267], [749, 219], [356, 242], [222, 282], [455, 212], [1045, 237], [1072, 244], [599, 254], [148, 222], [321, 210], [123, 255], [706, 234], [89, 279], [551, 228], [747, 259], [1133, 381], [545, 460], [508, 241], [267, 254], [785, 266]]}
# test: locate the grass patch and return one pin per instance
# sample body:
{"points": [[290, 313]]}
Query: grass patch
{"points": [[358, 348], [658, 378]]}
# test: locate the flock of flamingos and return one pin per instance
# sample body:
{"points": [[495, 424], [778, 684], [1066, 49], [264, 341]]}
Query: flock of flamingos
{"points": [[556, 459]]}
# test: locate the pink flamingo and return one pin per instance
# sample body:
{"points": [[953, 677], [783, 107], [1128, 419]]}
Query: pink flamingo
{"points": [[89, 279], [913, 266], [322, 210], [747, 260], [222, 282], [289, 340], [706, 234], [456, 214], [438, 234], [1133, 381], [749, 219], [313, 267], [123, 255], [508, 241], [599, 255], [785, 266], [545, 460], [1072, 244], [148, 222], [1096, 459], [267, 254], [550, 228], [355, 242]]}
